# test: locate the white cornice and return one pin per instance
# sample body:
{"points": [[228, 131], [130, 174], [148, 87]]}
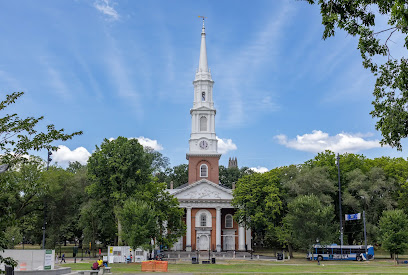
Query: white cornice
{"points": [[188, 155]]}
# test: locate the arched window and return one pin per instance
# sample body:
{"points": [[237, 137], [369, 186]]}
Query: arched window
{"points": [[203, 96], [203, 219], [203, 124], [228, 221], [203, 171]]}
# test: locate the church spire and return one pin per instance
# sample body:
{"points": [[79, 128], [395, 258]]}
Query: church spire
{"points": [[203, 65]]}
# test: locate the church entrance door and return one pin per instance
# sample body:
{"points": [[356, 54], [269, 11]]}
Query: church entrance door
{"points": [[204, 242], [229, 243]]}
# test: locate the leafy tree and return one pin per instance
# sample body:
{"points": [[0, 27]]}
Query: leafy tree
{"points": [[19, 136], [98, 222], [258, 203], [139, 223], [358, 18], [394, 231], [152, 216], [231, 175], [308, 220], [371, 192], [65, 193], [170, 226], [117, 170], [13, 236], [159, 162], [178, 175], [311, 181], [22, 189]]}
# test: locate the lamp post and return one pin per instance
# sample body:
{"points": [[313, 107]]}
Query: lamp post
{"points": [[252, 249], [12, 238], [364, 222], [341, 215], [23, 241], [49, 159]]}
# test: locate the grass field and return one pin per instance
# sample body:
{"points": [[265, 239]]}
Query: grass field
{"points": [[259, 267]]}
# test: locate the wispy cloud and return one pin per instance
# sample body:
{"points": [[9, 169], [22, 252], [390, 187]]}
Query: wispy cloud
{"points": [[239, 83], [57, 83], [119, 70], [107, 9], [9, 81], [319, 141]]}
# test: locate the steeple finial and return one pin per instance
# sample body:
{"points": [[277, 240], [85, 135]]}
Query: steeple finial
{"points": [[203, 65]]}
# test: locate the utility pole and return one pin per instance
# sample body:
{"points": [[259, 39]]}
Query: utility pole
{"points": [[365, 234], [341, 215], [49, 159]]}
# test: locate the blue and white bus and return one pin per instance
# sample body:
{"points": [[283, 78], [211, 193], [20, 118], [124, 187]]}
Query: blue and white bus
{"points": [[344, 252]]}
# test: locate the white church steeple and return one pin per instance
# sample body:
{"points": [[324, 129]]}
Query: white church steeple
{"points": [[203, 65], [203, 140]]}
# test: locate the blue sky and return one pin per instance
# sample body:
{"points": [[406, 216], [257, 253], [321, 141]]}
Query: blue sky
{"points": [[125, 68]]}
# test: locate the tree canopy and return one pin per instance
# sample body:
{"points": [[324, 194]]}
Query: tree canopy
{"points": [[22, 188], [309, 221], [121, 170], [394, 231]]}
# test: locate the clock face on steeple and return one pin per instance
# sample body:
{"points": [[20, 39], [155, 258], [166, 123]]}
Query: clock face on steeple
{"points": [[203, 144]]}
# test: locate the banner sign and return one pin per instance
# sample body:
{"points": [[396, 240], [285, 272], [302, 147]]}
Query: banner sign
{"points": [[353, 217], [48, 259]]}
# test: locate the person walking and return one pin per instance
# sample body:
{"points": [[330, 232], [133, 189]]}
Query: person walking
{"points": [[63, 258]]}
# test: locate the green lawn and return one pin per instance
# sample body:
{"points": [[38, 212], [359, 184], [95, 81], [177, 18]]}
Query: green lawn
{"points": [[254, 267]]}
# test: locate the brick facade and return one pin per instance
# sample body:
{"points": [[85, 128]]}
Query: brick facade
{"points": [[194, 163]]}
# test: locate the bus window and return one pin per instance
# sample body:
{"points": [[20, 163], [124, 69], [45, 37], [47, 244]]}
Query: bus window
{"points": [[319, 250]]}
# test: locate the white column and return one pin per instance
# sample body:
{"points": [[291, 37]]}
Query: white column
{"points": [[218, 230], [188, 234], [241, 238], [248, 238]]}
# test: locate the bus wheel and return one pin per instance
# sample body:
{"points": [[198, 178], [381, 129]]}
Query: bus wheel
{"points": [[358, 258], [320, 258]]}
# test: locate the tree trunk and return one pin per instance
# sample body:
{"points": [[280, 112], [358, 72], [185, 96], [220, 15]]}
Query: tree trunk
{"points": [[119, 233], [290, 251]]}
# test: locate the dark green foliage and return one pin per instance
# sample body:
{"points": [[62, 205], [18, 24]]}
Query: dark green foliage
{"points": [[371, 192], [394, 231], [307, 221], [178, 175], [311, 181], [258, 203], [231, 175], [18, 136], [122, 170], [139, 223]]}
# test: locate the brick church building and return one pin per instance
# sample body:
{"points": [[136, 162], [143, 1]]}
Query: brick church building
{"points": [[207, 204]]}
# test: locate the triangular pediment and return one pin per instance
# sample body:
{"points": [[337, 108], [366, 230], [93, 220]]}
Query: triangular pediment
{"points": [[203, 108], [203, 189]]}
